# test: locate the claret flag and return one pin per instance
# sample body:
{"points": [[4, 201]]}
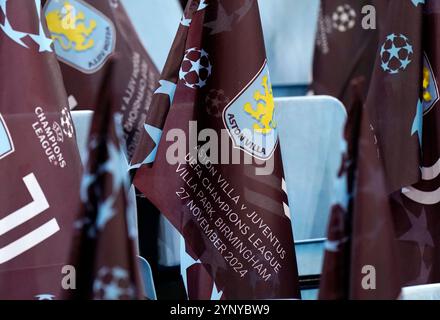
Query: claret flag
{"points": [[214, 101], [40, 168]]}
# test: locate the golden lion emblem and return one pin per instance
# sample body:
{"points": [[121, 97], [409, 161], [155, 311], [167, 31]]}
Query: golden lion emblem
{"points": [[66, 26], [426, 81], [264, 111]]}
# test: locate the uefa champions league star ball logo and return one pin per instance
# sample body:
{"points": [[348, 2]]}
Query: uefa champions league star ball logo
{"points": [[344, 18], [113, 284], [215, 101], [396, 53], [196, 68], [44, 297]]}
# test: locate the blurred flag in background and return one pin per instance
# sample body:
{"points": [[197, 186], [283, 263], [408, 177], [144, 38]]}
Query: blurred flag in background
{"points": [[236, 223], [40, 167], [394, 92], [401, 104]]}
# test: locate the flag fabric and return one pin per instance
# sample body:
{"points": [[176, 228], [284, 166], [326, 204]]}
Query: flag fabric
{"points": [[87, 33], [183, 3], [40, 167], [416, 207], [106, 231], [345, 49], [234, 219], [393, 95], [387, 56], [361, 253], [400, 104]]}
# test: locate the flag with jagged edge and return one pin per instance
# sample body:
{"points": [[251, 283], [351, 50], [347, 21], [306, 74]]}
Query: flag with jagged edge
{"points": [[40, 166]]}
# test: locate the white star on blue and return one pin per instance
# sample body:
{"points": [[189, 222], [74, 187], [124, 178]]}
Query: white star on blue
{"points": [[195, 66], [384, 66], [391, 37], [201, 83], [203, 53], [202, 5], [404, 37], [394, 52], [409, 48]]}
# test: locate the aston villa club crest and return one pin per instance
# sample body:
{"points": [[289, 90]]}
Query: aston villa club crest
{"points": [[430, 89], [249, 118], [83, 37], [6, 144]]}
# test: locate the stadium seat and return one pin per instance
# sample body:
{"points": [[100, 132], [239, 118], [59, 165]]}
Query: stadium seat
{"points": [[311, 132], [82, 121], [292, 35], [168, 243], [147, 279]]}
